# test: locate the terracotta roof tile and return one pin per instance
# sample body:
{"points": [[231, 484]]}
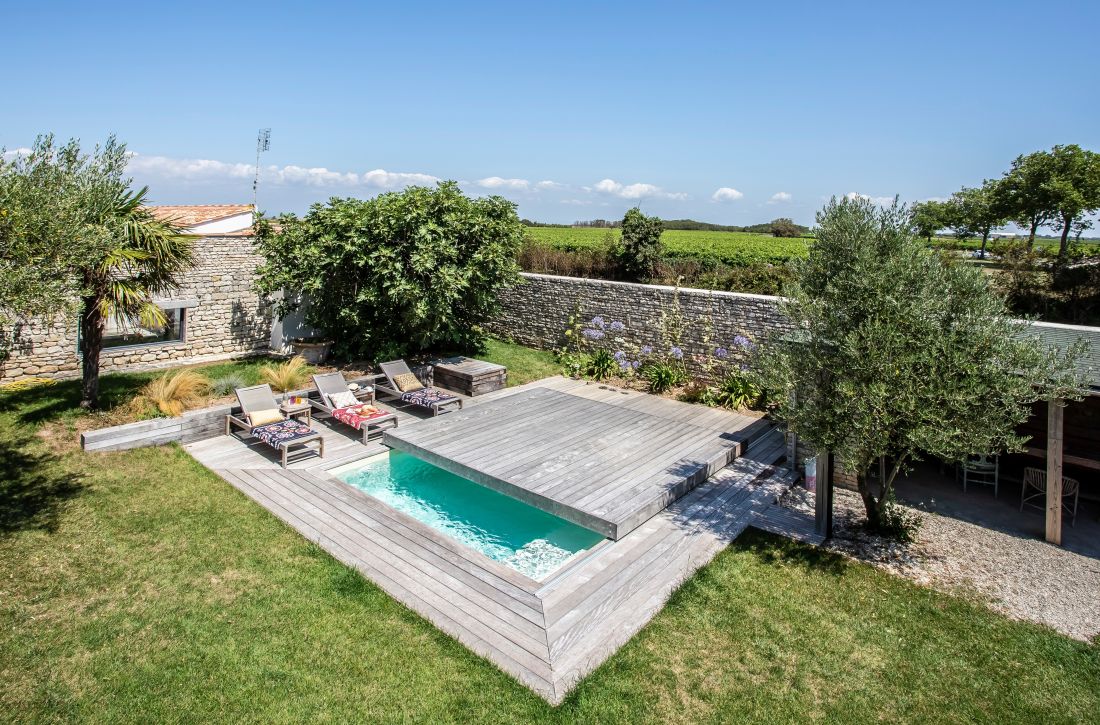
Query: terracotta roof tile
{"points": [[191, 215]]}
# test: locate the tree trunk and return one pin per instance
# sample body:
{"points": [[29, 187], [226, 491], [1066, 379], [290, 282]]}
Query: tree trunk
{"points": [[1031, 236], [870, 504], [985, 239], [91, 344], [1063, 246]]}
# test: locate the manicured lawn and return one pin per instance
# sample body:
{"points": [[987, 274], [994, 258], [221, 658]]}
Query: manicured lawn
{"points": [[139, 586], [524, 364]]}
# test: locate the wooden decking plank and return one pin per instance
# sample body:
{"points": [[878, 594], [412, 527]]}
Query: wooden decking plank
{"points": [[653, 533], [438, 579], [647, 589], [429, 587], [518, 451], [508, 580], [672, 451], [405, 530], [446, 618], [617, 445]]}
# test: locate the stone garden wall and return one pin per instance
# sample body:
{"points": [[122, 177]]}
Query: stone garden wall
{"points": [[228, 320], [536, 312]]}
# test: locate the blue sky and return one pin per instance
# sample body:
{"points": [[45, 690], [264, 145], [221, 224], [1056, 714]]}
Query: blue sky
{"points": [[613, 104]]}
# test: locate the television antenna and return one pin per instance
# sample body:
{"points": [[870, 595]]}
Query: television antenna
{"points": [[263, 143]]}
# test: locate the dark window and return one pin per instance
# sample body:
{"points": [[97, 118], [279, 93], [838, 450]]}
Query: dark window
{"points": [[133, 333]]}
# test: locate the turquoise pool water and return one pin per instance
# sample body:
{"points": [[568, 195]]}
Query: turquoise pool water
{"points": [[525, 538]]}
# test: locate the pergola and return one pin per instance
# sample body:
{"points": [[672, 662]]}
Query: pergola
{"points": [[1072, 440]]}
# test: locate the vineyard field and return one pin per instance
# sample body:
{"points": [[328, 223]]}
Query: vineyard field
{"points": [[732, 248]]}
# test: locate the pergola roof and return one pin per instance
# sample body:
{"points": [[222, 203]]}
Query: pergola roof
{"points": [[1063, 337]]}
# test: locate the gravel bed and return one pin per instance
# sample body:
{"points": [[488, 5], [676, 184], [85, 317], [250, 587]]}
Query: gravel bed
{"points": [[1023, 578]]}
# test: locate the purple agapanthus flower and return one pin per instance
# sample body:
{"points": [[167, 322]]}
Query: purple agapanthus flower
{"points": [[620, 355], [635, 364], [617, 326], [624, 365], [742, 342], [597, 322], [593, 334], [676, 353], [647, 349], [721, 353]]}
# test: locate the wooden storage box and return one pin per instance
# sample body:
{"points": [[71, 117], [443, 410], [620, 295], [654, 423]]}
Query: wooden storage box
{"points": [[469, 376]]}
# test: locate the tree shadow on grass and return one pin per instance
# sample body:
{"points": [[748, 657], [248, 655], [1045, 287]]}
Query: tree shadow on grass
{"points": [[46, 403], [774, 549], [33, 488]]}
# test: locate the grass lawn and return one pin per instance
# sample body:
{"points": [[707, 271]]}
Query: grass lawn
{"points": [[524, 364], [139, 586]]}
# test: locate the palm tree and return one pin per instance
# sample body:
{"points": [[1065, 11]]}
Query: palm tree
{"points": [[144, 259]]}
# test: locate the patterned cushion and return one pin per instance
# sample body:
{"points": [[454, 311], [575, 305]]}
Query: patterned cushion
{"points": [[263, 417], [357, 415], [343, 399], [284, 431], [406, 382], [426, 397]]}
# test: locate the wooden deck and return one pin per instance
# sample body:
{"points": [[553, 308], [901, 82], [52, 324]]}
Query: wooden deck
{"points": [[547, 634], [600, 464]]}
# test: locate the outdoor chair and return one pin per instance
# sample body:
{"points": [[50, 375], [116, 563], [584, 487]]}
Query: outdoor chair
{"points": [[403, 384], [263, 419], [980, 469], [339, 402], [1035, 481]]}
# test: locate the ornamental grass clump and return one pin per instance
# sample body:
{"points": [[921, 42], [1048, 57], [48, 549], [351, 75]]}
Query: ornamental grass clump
{"points": [[173, 393], [226, 384], [286, 376]]}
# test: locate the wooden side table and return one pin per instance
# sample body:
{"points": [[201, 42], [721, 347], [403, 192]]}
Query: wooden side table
{"points": [[302, 411]]}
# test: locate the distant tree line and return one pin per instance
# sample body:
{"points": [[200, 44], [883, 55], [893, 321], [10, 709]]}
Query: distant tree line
{"points": [[782, 227], [1057, 189]]}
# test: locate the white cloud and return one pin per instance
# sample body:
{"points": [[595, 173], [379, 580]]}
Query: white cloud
{"points": [[496, 182], [726, 193], [633, 191], [779, 197], [11, 154], [165, 167], [395, 180], [577, 202], [548, 185], [880, 200]]}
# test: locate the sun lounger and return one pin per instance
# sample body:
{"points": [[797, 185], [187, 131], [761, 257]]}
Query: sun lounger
{"points": [[413, 391], [272, 426], [339, 402]]}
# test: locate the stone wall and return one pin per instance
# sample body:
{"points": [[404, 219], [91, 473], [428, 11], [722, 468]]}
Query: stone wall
{"points": [[229, 320], [536, 312]]}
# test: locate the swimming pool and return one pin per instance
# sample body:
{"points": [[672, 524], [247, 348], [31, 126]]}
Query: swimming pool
{"points": [[521, 536]]}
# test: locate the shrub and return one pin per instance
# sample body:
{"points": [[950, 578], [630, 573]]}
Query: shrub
{"points": [[286, 376], [641, 245], [172, 393], [736, 389], [398, 274], [226, 384], [663, 375], [786, 228], [602, 365]]}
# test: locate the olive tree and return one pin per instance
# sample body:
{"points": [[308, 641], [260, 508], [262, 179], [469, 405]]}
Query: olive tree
{"points": [[899, 353], [50, 197], [401, 273]]}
